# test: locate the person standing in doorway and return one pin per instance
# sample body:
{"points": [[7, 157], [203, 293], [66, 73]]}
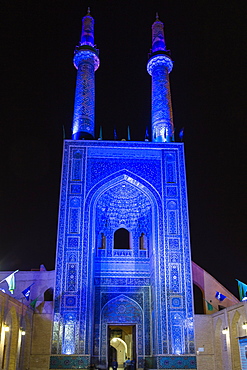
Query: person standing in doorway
{"points": [[114, 365], [127, 364]]}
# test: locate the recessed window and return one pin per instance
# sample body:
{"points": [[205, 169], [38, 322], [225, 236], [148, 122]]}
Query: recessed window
{"points": [[122, 239], [142, 242], [102, 241]]}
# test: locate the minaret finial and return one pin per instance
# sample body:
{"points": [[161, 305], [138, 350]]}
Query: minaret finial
{"points": [[88, 10], [157, 16]]}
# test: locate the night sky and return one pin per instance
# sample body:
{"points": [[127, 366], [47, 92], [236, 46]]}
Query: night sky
{"points": [[208, 42]]}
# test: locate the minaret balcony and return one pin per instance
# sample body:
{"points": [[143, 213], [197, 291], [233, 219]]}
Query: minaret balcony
{"points": [[86, 53], [158, 59]]}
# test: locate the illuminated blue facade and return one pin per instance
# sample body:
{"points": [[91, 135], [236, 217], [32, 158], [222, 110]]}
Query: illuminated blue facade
{"points": [[144, 282]]}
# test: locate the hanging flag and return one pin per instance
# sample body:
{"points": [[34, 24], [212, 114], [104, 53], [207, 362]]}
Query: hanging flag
{"points": [[181, 134], [26, 292], [33, 303], [220, 296], [11, 281], [209, 306], [242, 288]]}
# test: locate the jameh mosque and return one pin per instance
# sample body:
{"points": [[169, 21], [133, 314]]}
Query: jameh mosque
{"points": [[123, 283]]}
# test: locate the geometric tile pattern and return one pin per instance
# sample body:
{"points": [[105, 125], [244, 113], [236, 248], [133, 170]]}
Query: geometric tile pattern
{"points": [[69, 362], [177, 362], [123, 184]]}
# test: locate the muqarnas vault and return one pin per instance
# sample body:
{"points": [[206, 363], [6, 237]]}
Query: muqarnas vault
{"points": [[123, 265]]}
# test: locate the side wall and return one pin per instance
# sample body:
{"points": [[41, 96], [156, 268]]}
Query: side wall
{"points": [[217, 350], [15, 330], [41, 336]]}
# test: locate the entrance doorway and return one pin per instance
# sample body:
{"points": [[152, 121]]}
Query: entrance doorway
{"points": [[121, 344]]}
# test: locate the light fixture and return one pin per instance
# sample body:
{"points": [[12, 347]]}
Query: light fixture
{"points": [[5, 327], [244, 325], [23, 332], [225, 330]]}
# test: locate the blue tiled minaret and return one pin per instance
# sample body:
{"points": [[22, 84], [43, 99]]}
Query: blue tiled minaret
{"points": [[123, 265], [86, 60], [159, 66]]}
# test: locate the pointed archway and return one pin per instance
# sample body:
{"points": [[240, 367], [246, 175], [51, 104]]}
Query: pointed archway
{"points": [[122, 311]]}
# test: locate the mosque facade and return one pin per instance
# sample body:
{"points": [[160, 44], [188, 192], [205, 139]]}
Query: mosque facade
{"points": [[123, 263], [123, 278]]}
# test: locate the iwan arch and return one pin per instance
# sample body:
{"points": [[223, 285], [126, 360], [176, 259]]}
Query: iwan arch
{"points": [[123, 203]]}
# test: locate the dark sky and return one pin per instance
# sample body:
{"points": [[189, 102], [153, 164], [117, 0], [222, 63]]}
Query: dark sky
{"points": [[208, 82]]}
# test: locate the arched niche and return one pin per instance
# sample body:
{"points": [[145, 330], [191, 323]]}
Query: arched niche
{"points": [[121, 239], [123, 212], [234, 334], [218, 340], [122, 200], [14, 336]]}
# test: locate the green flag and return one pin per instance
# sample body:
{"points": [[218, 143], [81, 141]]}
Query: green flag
{"points": [[242, 288], [209, 306], [11, 281], [33, 303]]}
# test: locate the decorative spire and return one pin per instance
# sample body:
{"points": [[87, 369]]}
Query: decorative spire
{"points": [[129, 133], [100, 134], [87, 34], [115, 137], [158, 39]]}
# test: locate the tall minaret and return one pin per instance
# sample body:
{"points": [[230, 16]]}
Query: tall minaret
{"points": [[159, 66], [86, 60]]}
